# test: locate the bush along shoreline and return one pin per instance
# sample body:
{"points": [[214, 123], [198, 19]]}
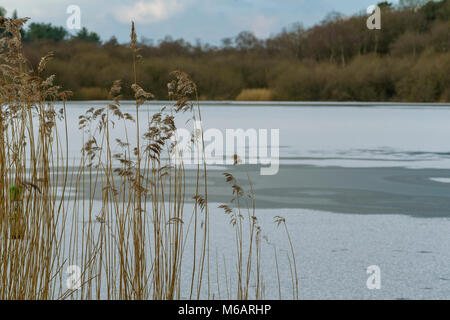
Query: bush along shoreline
{"points": [[339, 59]]}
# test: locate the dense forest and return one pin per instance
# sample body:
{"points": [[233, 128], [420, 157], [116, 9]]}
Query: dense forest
{"points": [[339, 59]]}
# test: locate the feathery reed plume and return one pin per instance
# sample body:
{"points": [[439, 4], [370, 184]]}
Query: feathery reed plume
{"points": [[117, 219]]}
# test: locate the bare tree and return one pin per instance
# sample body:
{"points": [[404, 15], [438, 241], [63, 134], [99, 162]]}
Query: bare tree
{"points": [[411, 3]]}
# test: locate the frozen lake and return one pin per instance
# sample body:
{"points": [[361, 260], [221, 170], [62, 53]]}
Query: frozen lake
{"points": [[359, 185]]}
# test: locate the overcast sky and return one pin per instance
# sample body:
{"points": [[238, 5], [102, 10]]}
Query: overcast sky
{"points": [[208, 20]]}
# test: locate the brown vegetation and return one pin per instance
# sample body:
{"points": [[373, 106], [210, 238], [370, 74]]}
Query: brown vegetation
{"points": [[338, 59], [255, 95], [133, 244]]}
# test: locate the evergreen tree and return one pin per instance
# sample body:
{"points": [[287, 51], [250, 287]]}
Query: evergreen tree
{"points": [[40, 31], [85, 35]]}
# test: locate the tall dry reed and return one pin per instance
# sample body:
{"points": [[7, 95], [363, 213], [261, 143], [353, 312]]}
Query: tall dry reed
{"points": [[132, 245]]}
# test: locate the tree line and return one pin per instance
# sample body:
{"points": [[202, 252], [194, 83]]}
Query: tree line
{"points": [[338, 59]]}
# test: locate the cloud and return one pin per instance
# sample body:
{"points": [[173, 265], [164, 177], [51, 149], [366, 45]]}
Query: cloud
{"points": [[29, 9], [262, 26], [149, 12]]}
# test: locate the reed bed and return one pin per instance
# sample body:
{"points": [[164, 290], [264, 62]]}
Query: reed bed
{"points": [[132, 245], [255, 95]]}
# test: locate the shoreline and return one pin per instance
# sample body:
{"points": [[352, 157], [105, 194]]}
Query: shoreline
{"points": [[275, 103]]}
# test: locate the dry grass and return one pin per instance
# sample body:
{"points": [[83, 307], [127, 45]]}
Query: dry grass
{"points": [[93, 93], [134, 248], [255, 95]]}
